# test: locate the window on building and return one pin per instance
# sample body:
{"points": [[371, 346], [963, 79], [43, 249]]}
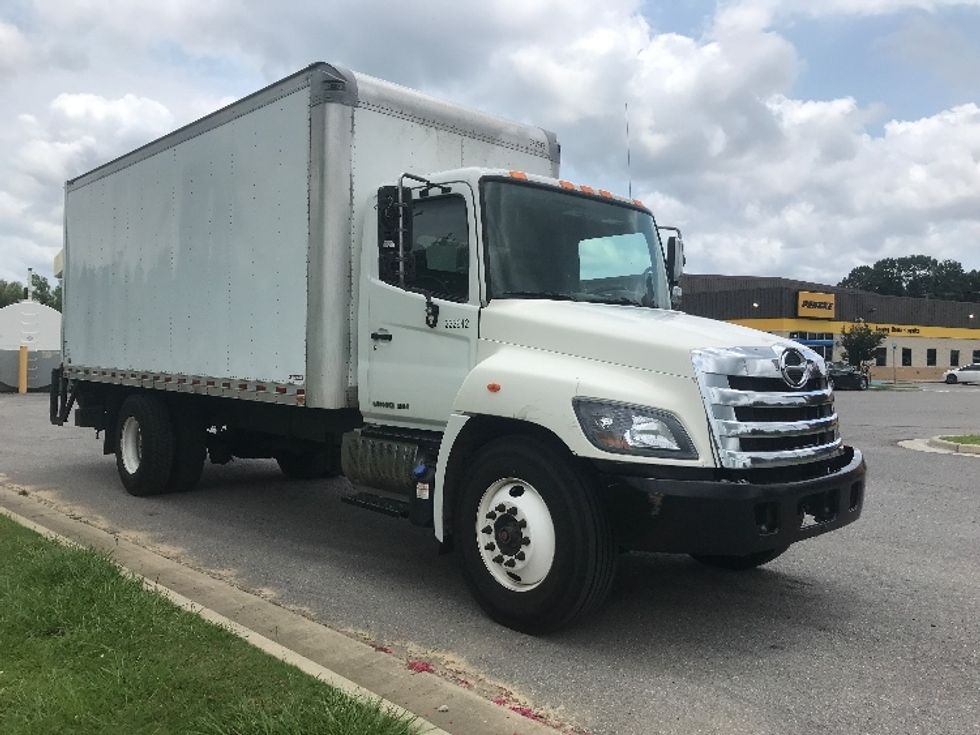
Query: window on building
{"points": [[930, 357], [906, 356], [881, 356], [954, 358], [976, 356]]}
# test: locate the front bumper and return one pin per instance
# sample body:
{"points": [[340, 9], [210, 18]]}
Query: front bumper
{"points": [[728, 517]]}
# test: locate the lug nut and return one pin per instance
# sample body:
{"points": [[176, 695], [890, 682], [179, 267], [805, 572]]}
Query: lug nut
{"points": [[491, 516], [501, 508], [520, 556], [522, 523], [486, 529], [512, 510], [526, 540], [498, 558], [509, 563], [489, 547]]}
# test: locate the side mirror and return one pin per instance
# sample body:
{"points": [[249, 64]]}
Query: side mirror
{"points": [[394, 233], [675, 259], [676, 293]]}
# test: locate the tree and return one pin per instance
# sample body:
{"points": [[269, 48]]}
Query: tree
{"points": [[860, 343], [13, 291], [10, 292], [918, 276]]}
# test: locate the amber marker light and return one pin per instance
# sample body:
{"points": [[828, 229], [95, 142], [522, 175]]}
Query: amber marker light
{"points": [[586, 189], [493, 387], [520, 175], [566, 184]]}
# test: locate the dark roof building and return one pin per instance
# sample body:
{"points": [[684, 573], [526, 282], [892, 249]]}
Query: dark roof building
{"points": [[924, 336]]}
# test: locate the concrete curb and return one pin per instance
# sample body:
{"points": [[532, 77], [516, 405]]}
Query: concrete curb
{"points": [[940, 443], [350, 665]]}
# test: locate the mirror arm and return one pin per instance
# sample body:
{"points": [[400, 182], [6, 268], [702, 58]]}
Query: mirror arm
{"points": [[401, 222]]}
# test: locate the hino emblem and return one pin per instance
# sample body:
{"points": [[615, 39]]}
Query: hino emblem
{"points": [[795, 368]]}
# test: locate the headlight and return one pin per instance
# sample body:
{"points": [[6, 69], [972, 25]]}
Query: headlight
{"points": [[626, 429]]}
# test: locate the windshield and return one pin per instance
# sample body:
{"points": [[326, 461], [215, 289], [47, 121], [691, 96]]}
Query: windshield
{"points": [[548, 243]]}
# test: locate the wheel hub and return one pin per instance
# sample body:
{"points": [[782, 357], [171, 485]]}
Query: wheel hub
{"points": [[515, 534]]}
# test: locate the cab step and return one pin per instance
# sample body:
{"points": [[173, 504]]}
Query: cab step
{"points": [[378, 503]]}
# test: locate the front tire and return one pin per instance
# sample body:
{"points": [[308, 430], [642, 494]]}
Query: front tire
{"points": [[950, 379], [144, 445], [533, 542], [740, 563]]}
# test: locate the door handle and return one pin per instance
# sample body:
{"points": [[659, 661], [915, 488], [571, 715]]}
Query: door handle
{"points": [[381, 336]]}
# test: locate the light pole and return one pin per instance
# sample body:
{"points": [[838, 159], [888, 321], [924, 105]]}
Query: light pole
{"points": [[894, 364]]}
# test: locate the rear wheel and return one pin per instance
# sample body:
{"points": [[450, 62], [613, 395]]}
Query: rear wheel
{"points": [[533, 542], [740, 563], [144, 445], [951, 379], [310, 464], [190, 449]]}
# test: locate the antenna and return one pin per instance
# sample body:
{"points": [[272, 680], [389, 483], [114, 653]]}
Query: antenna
{"points": [[629, 173]]}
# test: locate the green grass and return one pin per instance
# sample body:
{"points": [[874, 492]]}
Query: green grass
{"points": [[965, 439], [86, 649]]}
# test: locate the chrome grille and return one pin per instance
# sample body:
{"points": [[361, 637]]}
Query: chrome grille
{"points": [[757, 420]]}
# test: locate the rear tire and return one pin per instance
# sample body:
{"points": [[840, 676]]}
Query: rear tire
{"points": [[309, 465], [190, 449], [740, 563], [950, 379], [144, 445], [554, 557]]}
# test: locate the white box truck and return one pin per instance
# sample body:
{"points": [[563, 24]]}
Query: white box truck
{"points": [[354, 278]]}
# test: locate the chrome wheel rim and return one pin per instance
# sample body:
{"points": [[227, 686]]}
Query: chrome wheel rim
{"points": [[131, 445], [515, 534]]}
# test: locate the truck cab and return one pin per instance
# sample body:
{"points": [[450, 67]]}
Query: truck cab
{"points": [[516, 334]]}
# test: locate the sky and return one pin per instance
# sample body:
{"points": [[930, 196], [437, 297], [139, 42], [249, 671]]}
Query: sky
{"points": [[791, 138]]}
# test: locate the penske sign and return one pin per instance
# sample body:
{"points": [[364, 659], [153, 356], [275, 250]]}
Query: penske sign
{"points": [[816, 305]]}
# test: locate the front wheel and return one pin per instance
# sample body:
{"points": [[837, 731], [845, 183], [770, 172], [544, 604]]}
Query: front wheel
{"points": [[740, 563], [950, 379], [533, 541]]}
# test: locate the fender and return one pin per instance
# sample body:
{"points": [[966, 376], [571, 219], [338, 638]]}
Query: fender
{"points": [[537, 387]]}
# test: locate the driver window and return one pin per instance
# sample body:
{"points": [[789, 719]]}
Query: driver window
{"points": [[441, 248]]}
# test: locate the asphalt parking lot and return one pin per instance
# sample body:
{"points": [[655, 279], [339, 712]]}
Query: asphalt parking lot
{"points": [[873, 629]]}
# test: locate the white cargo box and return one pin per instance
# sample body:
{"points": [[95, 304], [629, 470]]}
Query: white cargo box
{"points": [[219, 258]]}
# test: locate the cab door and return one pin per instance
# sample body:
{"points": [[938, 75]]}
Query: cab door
{"points": [[421, 339]]}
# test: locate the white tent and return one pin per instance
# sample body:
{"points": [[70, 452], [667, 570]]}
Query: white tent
{"points": [[37, 326]]}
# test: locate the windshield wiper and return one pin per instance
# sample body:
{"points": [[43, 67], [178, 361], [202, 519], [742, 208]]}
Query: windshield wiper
{"points": [[557, 296], [615, 301]]}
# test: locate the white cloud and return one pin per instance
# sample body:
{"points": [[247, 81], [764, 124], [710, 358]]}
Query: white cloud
{"points": [[14, 49]]}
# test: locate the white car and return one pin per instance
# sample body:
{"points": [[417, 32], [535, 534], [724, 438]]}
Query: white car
{"points": [[965, 374]]}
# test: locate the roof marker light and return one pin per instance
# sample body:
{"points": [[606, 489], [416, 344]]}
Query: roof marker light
{"points": [[518, 175], [493, 387], [605, 194], [638, 203], [586, 189], [565, 184]]}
